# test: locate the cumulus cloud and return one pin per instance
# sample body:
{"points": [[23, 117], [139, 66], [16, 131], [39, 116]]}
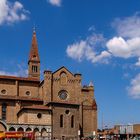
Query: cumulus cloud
{"points": [[55, 2], [128, 26], [134, 89], [120, 47], [126, 43], [12, 12], [86, 49]]}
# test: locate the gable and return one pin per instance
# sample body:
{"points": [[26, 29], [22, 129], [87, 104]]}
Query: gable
{"points": [[63, 70]]}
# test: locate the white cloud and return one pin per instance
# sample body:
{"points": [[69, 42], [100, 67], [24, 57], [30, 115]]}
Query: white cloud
{"points": [[120, 47], [138, 62], [7, 73], [128, 43], [85, 49], [134, 89], [21, 71], [128, 26], [12, 12], [55, 2], [77, 50]]}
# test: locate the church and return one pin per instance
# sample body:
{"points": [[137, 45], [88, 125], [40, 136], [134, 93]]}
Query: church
{"points": [[57, 107]]}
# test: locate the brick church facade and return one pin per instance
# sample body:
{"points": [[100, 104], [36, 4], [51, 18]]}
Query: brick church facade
{"points": [[56, 107]]}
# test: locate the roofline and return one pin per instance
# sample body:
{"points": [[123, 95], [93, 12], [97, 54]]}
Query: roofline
{"points": [[62, 103], [41, 83], [7, 77], [61, 68], [27, 108], [18, 98]]}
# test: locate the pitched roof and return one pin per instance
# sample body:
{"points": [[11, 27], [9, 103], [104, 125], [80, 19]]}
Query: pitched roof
{"points": [[34, 107], [63, 67], [34, 55]]}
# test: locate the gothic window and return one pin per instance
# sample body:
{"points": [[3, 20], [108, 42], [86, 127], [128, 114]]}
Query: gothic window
{"points": [[34, 69], [63, 78], [61, 120], [4, 107], [72, 121]]}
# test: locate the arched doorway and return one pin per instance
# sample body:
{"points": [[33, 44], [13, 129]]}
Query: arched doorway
{"points": [[12, 129], [44, 133], [37, 134], [28, 129], [2, 127], [20, 129]]}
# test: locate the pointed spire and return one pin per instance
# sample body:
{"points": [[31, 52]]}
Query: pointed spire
{"points": [[91, 84], [34, 55], [34, 61]]}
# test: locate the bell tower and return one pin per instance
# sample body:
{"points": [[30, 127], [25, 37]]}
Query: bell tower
{"points": [[34, 60]]}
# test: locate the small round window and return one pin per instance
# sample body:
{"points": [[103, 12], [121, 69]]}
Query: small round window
{"points": [[28, 93], [63, 95], [67, 112], [3, 91], [39, 115]]}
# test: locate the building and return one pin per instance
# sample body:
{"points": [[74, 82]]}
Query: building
{"points": [[127, 129], [58, 106]]}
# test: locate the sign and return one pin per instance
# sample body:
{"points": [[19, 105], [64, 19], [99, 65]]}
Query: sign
{"points": [[79, 132]]}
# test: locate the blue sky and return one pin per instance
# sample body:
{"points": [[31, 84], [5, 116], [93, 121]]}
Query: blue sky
{"points": [[98, 38]]}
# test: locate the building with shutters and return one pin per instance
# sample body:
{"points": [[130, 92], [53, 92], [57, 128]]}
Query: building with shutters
{"points": [[56, 107]]}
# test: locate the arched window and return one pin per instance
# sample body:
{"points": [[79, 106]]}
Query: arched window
{"points": [[63, 78], [4, 108], [61, 120], [34, 69], [72, 121]]}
